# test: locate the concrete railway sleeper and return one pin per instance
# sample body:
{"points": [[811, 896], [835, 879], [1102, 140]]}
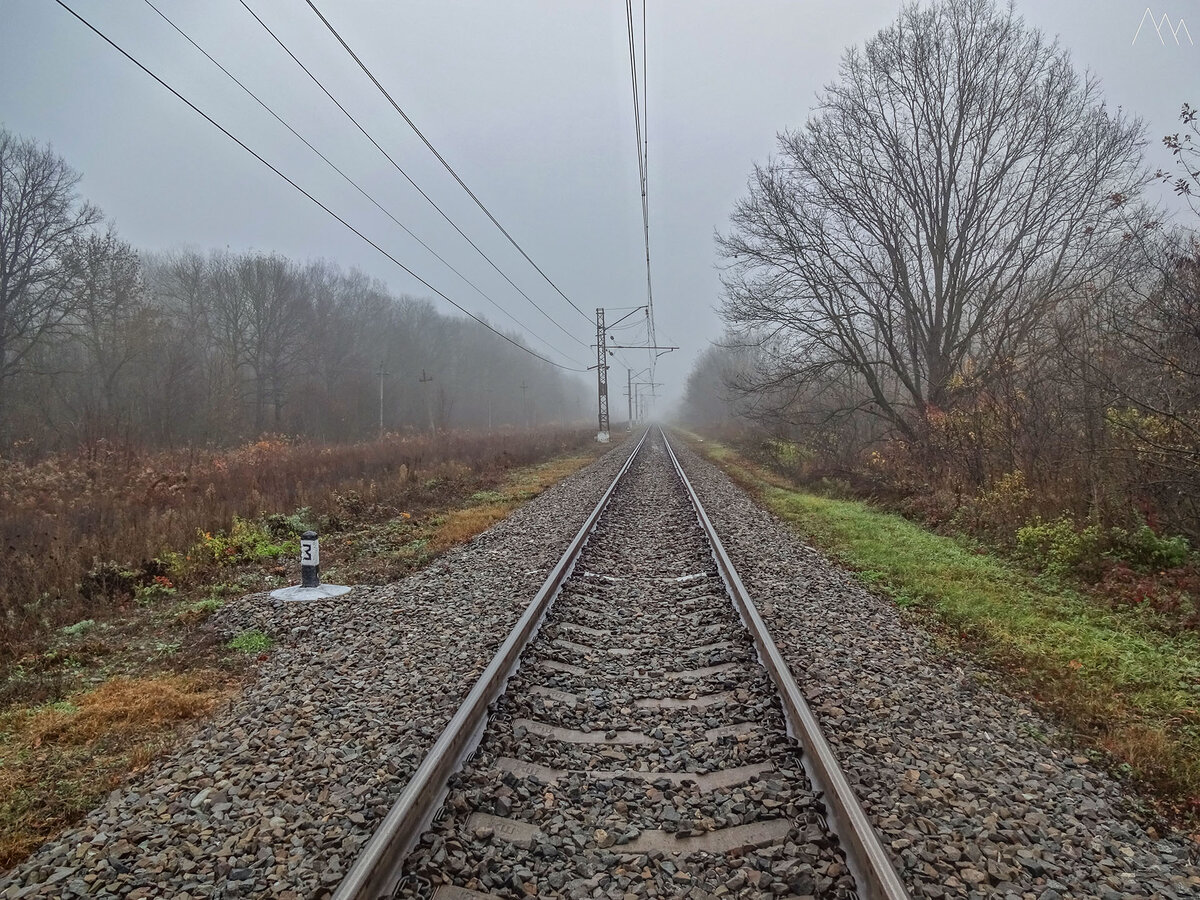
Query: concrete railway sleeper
{"points": [[638, 738]]}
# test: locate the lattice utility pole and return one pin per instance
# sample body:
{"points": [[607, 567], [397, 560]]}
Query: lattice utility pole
{"points": [[602, 373]]}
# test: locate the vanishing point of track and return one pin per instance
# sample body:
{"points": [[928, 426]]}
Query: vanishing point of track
{"points": [[637, 732]]}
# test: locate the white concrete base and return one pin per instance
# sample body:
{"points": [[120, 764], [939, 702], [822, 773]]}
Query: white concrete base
{"points": [[298, 594], [602, 437]]}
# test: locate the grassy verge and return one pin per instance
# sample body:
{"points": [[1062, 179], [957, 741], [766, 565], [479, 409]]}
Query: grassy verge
{"points": [[1120, 685], [102, 697]]}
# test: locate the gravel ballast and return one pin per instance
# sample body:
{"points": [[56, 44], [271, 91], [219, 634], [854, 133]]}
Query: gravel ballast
{"points": [[640, 750], [277, 794], [967, 786]]}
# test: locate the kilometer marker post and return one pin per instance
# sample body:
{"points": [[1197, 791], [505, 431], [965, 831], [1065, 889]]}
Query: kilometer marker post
{"points": [[310, 560], [310, 587]]}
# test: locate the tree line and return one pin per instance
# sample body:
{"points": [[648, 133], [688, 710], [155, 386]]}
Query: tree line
{"points": [[99, 341], [953, 277]]}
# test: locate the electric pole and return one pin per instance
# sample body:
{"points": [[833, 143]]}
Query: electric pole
{"points": [[427, 379], [381, 377], [629, 394], [525, 403]]}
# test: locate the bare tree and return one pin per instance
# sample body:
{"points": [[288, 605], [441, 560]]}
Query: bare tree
{"points": [[277, 317], [958, 181], [110, 327], [40, 216]]}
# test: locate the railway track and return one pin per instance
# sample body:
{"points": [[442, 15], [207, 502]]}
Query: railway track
{"points": [[632, 737]]}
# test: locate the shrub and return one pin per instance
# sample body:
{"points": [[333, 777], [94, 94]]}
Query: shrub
{"points": [[788, 456], [999, 510], [283, 528], [1060, 548], [1146, 549], [247, 541], [198, 612], [488, 497], [107, 581], [159, 589]]}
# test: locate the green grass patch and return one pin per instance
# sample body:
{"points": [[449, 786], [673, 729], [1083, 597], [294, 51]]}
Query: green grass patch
{"points": [[488, 497], [80, 628], [252, 641], [1117, 681]]}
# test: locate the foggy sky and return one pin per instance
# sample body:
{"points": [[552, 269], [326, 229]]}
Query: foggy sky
{"points": [[529, 100]]}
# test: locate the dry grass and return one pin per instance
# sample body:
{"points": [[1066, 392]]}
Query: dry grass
{"points": [[57, 762], [125, 707], [81, 532], [461, 525]]}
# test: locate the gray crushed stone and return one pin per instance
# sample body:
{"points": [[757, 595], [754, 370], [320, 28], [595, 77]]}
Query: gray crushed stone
{"points": [[616, 808], [968, 787]]}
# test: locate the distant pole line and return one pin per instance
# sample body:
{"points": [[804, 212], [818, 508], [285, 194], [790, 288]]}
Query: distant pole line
{"points": [[297, 187]]}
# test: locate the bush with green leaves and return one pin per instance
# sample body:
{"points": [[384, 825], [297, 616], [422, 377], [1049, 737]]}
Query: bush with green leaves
{"points": [[1061, 547], [284, 528], [159, 589], [247, 541], [1143, 548]]}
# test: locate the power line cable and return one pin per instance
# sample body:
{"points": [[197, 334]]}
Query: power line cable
{"points": [[646, 176], [253, 153], [407, 177], [642, 143], [353, 183], [396, 106]]}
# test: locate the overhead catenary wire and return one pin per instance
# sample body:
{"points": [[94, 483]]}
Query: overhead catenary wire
{"points": [[352, 182], [646, 179], [641, 140], [396, 106], [407, 177], [280, 173]]}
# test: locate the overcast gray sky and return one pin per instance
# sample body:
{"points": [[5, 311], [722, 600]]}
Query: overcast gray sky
{"points": [[529, 100]]}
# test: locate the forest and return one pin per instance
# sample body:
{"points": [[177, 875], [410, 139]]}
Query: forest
{"points": [[99, 341]]}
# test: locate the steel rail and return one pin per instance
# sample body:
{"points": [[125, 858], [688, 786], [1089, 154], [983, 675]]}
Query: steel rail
{"points": [[378, 868], [874, 875]]}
